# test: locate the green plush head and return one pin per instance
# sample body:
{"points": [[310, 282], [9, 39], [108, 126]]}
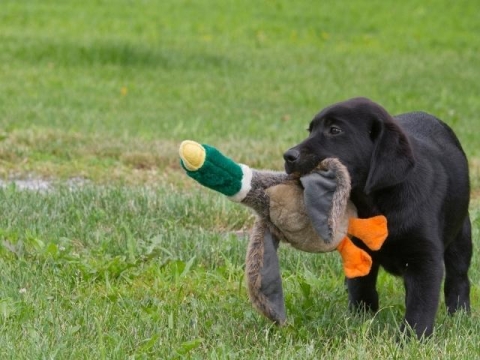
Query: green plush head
{"points": [[211, 168]]}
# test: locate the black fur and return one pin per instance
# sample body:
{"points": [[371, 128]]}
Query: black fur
{"points": [[412, 169]]}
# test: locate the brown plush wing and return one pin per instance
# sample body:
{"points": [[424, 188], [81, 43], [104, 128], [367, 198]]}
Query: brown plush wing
{"points": [[263, 273]]}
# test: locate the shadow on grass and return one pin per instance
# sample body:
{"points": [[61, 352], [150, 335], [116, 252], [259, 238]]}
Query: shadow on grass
{"points": [[110, 52]]}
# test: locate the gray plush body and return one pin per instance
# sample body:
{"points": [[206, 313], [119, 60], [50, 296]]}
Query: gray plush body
{"points": [[311, 214]]}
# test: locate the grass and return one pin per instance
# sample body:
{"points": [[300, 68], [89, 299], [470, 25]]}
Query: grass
{"points": [[139, 262]]}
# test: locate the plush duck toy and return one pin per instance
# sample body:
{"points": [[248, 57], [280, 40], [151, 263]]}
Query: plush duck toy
{"points": [[311, 213]]}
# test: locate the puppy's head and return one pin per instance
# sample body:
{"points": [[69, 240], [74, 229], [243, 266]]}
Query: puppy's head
{"points": [[363, 136]]}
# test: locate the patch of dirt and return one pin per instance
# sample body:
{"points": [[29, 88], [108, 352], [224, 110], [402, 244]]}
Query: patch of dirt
{"points": [[38, 184]]}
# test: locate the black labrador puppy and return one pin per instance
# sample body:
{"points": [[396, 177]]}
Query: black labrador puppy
{"points": [[412, 169]]}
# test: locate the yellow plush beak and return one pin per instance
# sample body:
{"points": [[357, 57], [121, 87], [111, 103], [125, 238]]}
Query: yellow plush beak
{"points": [[192, 154]]}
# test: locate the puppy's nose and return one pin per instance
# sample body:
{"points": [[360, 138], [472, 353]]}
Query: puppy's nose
{"points": [[291, 155]]}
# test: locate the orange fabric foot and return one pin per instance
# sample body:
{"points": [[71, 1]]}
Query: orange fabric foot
{"points": [[356, 262], [372, 231]]}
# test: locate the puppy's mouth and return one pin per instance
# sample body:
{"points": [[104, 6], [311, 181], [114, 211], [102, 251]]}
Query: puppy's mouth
{"points": [[290, 168], [301, 166]]}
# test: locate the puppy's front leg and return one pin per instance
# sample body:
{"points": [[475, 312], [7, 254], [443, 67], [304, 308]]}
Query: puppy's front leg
{"points": [[362, 292], [422, 285]]}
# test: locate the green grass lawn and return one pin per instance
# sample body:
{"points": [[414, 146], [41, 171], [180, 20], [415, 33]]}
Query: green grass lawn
{"points": [[139, 262]]}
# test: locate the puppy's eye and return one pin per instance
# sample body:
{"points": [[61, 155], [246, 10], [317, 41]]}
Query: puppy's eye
{"points": [[334, 130]]}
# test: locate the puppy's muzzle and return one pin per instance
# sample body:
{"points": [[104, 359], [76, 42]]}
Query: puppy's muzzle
{"points": [[291, 158]]}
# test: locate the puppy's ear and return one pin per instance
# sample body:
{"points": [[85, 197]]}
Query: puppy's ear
{"points": [[392, 156]]}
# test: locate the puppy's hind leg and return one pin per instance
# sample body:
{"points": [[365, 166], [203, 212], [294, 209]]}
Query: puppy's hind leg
{"points": [[457, 258]]}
